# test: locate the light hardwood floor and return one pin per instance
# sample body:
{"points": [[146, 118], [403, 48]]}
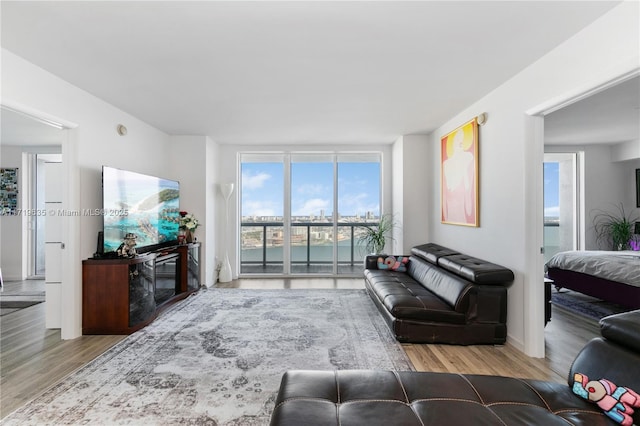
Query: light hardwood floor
{"points": [[32, 358]]}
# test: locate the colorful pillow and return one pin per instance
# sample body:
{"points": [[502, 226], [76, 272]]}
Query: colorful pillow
{"points": [[615, 401], [392, 263]]}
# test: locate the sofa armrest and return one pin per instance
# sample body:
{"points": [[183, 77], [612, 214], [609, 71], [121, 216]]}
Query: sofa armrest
{"points": [[488, 304], [371, 262], [623, 329]]}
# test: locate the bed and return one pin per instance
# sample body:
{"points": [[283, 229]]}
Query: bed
{"points": [[613, 276]]}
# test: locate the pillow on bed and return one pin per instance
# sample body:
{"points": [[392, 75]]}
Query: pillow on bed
{"points": [[615, 401], [392, 263]]}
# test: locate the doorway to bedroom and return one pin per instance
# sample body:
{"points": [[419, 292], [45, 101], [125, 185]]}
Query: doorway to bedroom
{"points": [[590, 155]]}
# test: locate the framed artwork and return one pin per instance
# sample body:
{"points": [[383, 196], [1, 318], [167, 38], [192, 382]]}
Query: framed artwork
{"points": [[637, 187], [459, 175], [8, 191]]}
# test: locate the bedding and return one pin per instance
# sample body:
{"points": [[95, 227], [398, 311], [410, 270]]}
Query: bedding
{"points": [[618, 266]]}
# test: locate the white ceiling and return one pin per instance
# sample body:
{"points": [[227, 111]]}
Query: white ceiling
{"points": [[291, 72], [608, 117]]}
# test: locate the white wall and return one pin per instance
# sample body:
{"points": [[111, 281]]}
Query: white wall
{"points": [[213, 153], [511, 159], [194, 162], [411, 182], [397, 195]]}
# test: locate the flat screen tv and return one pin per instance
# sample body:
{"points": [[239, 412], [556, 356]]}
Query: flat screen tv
{"points": [[147, 206]]}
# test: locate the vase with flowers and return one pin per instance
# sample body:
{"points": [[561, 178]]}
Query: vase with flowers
{"points": [[188, 225]]}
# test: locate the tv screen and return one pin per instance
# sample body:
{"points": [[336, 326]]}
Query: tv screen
{"points": [[146, 206]]}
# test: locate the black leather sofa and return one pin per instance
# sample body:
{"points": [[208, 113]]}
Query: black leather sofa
{"points": [[366, 397], [443, 297]]}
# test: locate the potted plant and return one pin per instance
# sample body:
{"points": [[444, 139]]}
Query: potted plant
{"points": [[615, 229], [375, 236]]}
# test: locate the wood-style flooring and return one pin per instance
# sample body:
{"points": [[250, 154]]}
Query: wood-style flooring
{"points": [[33, 358]]}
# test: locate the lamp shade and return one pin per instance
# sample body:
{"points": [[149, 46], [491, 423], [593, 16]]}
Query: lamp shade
{"points": [[226, 189]]}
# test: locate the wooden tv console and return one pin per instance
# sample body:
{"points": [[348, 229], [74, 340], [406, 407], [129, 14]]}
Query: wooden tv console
{"points": [[121, 296]]}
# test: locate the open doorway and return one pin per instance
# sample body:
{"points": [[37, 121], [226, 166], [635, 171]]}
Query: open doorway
{"points": [[590, 154], [28, 145]]}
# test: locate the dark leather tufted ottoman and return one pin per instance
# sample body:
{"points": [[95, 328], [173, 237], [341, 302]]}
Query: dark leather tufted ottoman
{"points": [[369, 398], [357, 397]]}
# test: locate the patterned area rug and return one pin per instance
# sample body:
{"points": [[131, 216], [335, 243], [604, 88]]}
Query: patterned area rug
{"points": [[584, 305], [217, 359]]}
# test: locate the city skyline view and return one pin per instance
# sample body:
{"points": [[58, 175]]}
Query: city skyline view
{"points": [[312, 190]]}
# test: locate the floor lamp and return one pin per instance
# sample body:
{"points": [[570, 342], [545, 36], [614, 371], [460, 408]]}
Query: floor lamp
{"points": [[225, 271]]}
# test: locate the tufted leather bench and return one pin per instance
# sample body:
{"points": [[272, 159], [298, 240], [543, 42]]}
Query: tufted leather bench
{"points": [[370, 398]]}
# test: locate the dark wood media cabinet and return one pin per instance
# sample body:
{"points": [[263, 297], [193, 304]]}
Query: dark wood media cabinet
{"points": [[121, 296]]}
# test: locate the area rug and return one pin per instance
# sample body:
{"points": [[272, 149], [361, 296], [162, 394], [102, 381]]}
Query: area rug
{"points": [[581, 304], [217, 358], [14, 302]]}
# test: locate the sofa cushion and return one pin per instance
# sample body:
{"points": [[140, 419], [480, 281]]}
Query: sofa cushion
{"points": [[431, 252], [371, 397], [405, 298], [451, 288], [476, 270]]}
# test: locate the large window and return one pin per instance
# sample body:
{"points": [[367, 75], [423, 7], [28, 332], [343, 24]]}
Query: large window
{"points": [[302, 212], [560, 203]]}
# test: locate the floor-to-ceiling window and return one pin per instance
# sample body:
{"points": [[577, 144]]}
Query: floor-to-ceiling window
{"points": [[301, 213], [262, 214], [560, 203]]}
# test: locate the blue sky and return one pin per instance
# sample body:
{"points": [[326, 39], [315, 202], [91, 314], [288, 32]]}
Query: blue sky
{"points": [[311, 189], [551, 190]]}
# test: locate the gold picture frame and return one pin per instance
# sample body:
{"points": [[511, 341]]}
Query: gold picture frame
{"points": [[459, 198]]}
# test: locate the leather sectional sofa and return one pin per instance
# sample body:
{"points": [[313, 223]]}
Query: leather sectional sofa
{"points": [[443, 297], [367, 397]]}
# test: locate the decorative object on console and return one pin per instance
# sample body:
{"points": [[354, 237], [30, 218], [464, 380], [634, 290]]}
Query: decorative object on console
{"points": [[128, 246], [459, 175], [225, 271], [188, 224]]}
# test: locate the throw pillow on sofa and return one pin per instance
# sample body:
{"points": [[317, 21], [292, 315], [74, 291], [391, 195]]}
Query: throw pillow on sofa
{"points": [[615, 401], [392, 263]]}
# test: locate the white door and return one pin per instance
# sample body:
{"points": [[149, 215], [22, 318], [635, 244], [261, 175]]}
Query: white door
{"points": [[53, 244]]}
